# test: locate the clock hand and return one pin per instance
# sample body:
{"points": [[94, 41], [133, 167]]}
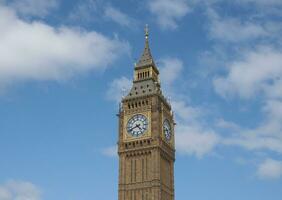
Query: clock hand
{"points": [[132, 128], [137, 125]]}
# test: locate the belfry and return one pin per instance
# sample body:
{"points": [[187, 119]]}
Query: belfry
{"points": [[146, 144]]}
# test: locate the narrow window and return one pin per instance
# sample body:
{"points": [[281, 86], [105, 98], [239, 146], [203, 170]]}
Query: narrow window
{"points": [[142, 172], [146, 168], [135, 170], [131, 171]]}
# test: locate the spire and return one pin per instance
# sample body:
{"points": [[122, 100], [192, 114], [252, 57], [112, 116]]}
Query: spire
{"points": [[146, 58]]}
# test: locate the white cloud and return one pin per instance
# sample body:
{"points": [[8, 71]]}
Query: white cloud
{"points": [[170, 69], [118, 88], [19, 190], [233, 29], [110, 151], [195, 137], [255, 142], [37, 51], [193, 140], [85, 11], [221, 123], [262, 2], [252, 73], [185, 112], [270, 169], [259, 71], [192, 137], [38, 8], [266, 136], [168, 12], [119, 17]]}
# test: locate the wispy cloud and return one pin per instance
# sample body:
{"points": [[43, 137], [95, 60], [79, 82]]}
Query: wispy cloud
{"points": [[231, 29], [38, 8], [110, 151], [118, 88], [262, 2], [270, 169], [223, 124], [170, 68], [195, 139], [258, 74], [260, 70], [251, 72], [85, 11], [20, 190], [168, 12], [192, 137], [119, 17]]}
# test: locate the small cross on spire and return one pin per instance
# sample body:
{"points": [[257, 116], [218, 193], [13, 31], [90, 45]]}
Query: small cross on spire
{"points": [[146, 31]]}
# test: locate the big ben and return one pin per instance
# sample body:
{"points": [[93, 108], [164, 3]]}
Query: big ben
{"points": [[146, 142]]}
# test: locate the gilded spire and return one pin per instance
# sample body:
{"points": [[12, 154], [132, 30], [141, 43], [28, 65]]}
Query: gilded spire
{"points": [[146, 58]]}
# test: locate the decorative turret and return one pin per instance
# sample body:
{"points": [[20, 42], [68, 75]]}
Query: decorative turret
{"points": [[146, 74], [145, 67]]}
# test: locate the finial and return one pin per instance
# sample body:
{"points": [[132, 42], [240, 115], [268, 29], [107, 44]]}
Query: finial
{"points": [[146, 31], [123, 91]]}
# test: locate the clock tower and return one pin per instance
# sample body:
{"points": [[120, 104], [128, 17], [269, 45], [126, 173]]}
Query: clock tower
{"points": [[146, 136]]}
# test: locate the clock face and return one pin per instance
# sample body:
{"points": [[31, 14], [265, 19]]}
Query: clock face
{"points": [[137, 125], [167, 129]]}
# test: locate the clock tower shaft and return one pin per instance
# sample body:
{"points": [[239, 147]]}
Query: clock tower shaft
{"points": [[146, 144]]}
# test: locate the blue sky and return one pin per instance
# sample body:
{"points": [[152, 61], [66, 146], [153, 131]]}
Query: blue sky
{"points": [[64, 66]]}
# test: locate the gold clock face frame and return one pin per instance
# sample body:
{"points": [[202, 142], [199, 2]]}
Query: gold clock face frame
{"points": [[147, 131], [137, 125]]}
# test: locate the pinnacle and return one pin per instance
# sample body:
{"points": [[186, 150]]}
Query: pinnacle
{"points": [[146, 58]]}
